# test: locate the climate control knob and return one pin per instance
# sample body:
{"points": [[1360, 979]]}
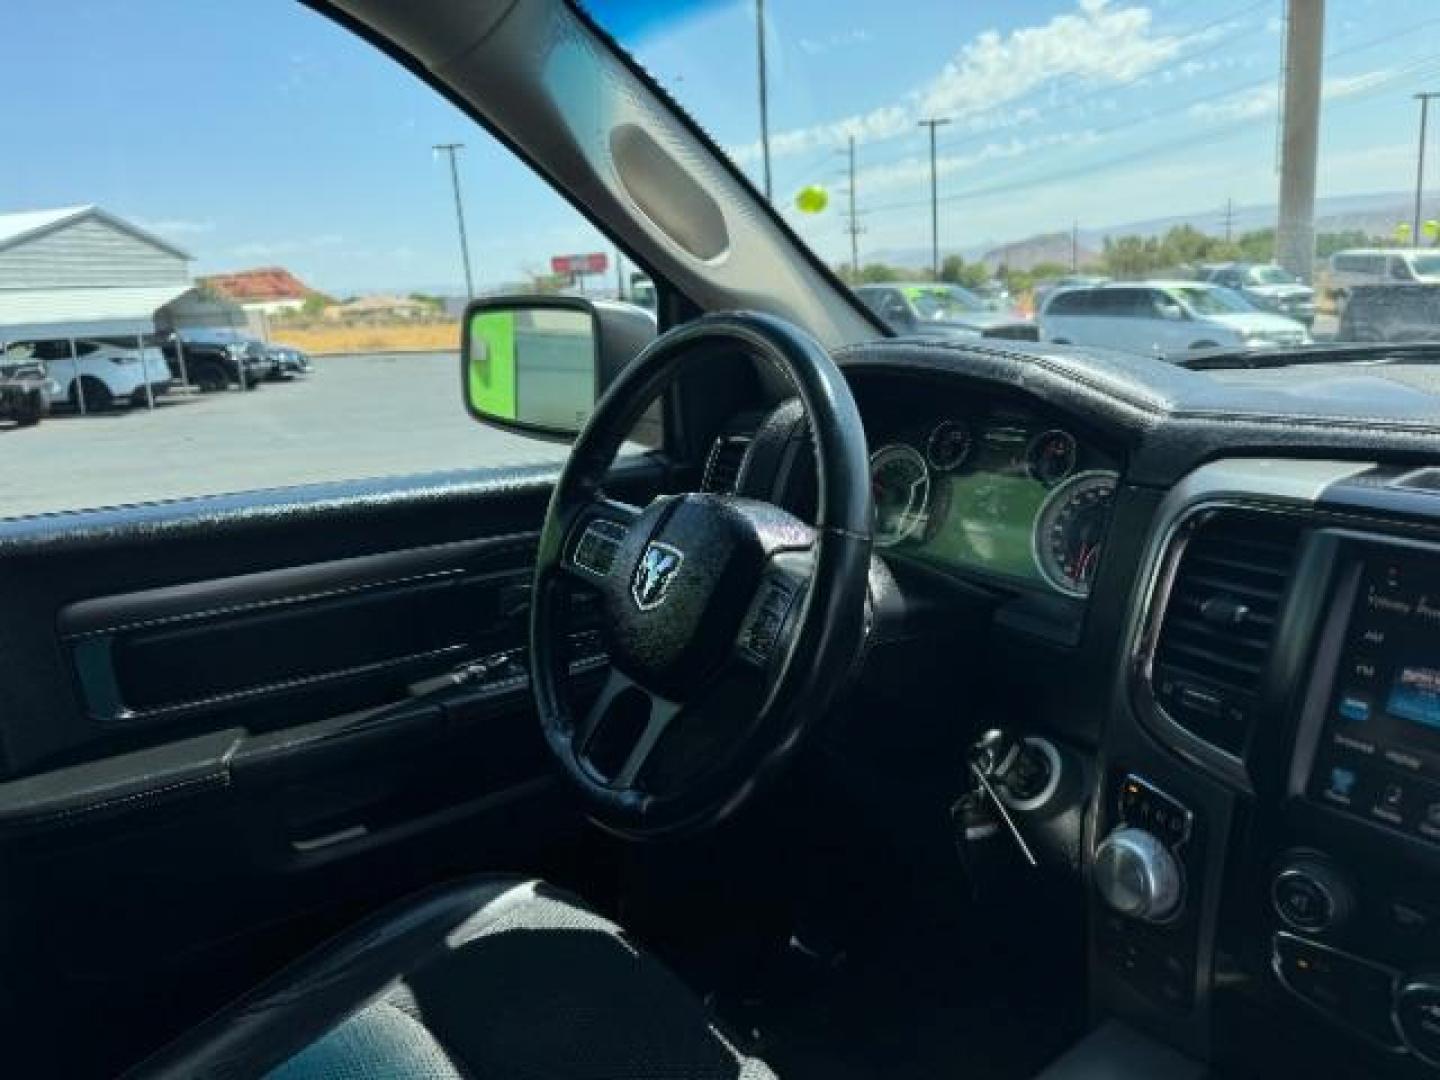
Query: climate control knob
{"points": [[1311, 895], [1138, 876]]}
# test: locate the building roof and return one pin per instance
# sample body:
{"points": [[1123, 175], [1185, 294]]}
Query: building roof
{"points": [[98, 311], [23, 225], [265, 283]]}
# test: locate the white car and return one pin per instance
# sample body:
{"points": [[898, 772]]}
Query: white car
{"points": [[1162, 318], [106, 373]]}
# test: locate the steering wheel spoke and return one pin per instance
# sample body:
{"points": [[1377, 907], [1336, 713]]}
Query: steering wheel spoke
{"points": [[620, 731]]}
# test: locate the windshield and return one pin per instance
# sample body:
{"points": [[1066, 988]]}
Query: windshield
{"points": [[942, 304], [1212, 301], [1018, 145], [1272, 275]]}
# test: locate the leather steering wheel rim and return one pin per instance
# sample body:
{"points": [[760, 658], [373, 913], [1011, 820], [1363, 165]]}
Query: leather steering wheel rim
{"points": [[821, 642]]}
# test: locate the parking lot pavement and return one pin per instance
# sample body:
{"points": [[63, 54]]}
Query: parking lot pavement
{"points": [[353, 417]]}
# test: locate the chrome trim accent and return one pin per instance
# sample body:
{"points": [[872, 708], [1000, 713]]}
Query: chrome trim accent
{"points": [[1293, 874], [1052, 499], [1264, 485], [650, 583], [1045, 794]]}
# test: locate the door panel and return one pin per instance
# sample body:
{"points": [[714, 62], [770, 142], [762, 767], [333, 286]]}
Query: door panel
{"points": [[227, 726]]}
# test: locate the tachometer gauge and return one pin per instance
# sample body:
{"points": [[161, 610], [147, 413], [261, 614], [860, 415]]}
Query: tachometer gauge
{"points": [[900, 485], [1070, 530], [949, 445], [1051, 455]]}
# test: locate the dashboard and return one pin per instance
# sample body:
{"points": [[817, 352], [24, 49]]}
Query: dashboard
{"points": [[999, 492]]}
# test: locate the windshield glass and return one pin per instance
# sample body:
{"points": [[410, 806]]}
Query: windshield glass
{"points": [[1272, 275], [1212, 301], [1022, 144], [941, 303]]}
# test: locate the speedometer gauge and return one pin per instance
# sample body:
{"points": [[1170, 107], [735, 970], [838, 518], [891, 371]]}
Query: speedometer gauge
{"points": [[1070, 530], [900, 485], [949, 445]]}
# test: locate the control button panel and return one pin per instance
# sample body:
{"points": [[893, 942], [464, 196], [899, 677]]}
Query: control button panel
{"points": [[1144, 806], [1349, 990]]}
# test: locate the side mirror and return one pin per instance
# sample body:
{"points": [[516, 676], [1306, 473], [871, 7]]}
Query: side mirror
{"points": [[536, 365]]}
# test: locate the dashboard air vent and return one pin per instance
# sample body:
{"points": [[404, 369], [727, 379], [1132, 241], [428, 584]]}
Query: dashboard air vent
{"points": [[722, 466], [1219, 624]]}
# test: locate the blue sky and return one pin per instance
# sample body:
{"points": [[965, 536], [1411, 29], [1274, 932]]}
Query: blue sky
{"points": [[259, 134]]}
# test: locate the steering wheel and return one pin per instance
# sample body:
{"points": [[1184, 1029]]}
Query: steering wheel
{"points": [[730, 623]]}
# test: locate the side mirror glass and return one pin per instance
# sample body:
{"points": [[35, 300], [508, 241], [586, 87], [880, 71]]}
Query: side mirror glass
{"points": [[536, 365]]}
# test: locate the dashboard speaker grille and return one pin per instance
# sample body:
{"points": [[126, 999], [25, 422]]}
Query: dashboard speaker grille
{"points": [[1219, 623]]}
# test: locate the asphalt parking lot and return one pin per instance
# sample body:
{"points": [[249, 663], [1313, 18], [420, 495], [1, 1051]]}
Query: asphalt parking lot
{"points": [[353, 417]]}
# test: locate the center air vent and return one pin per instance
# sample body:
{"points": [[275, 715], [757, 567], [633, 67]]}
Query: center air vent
{"points": [[1219, 624], [722, 466]]}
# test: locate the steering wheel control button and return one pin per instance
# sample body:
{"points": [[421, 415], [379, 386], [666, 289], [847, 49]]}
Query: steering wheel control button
{"points": [[1350, 990], [1138, 876], [1417, 1011], [598, 545], [1311, 895], [763, 631]]}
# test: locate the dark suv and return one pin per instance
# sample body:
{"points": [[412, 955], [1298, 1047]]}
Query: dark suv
{"points": [[1391, 313], [211, 365], [25, 389]]}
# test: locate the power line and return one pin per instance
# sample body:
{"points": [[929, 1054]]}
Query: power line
{"points": [[452, 149], [1421, 68]]}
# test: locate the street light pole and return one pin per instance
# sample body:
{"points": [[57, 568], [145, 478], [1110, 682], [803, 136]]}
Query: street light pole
{"points": [[932, 124], [1424, 100], [854, 221], [764, 94], [451, 149]]}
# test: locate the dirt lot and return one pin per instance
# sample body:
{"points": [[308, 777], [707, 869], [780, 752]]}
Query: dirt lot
{"points": [[321, 340], [354, 417]]}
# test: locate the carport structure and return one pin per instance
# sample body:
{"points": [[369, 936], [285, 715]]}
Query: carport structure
{"points": [[80, 273]]}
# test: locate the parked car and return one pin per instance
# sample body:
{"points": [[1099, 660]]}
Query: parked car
{"points": [[98, 374], [210, 364], [288, 361], [25, 389], [1268, 287], [936, 310], [1380, 266], [1391, 313], [1162, 318], [995, 294], [1068, 281]]}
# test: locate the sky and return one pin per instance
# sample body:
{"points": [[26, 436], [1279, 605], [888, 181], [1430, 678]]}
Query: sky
{"points": [[260, 134]]}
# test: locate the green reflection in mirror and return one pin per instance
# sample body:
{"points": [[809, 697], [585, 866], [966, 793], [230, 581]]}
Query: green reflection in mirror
{"points": [[492, 363], [532, 366]]}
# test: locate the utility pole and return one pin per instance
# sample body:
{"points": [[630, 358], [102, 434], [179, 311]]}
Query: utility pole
{"points": [[452, 149], [1300, 136], [1074, 246], [854, 229], [1229, 218], [764, 94], [932, 124], [1424, 100]]}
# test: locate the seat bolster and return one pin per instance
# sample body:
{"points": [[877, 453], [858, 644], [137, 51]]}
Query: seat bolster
{"points": [[302, 1003]]}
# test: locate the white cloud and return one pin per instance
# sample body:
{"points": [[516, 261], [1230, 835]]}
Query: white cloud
{"points": [[841, 40], [292, 246], [1098, 43], [175, 226], [1264, 100]]}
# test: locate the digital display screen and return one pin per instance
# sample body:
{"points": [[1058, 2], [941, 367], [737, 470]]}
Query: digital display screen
{"points": [[986, 511], [1379, 756]]}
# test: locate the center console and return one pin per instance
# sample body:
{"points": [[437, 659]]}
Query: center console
{"points": [[1265, 850]]}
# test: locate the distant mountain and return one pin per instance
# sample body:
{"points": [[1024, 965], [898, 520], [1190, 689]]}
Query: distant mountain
{"points": [[1377, 214]]}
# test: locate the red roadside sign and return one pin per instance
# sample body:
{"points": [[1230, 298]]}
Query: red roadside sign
{"points": [[596, 262]]}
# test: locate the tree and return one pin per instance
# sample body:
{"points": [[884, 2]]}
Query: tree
{"points": [[957, 271], [877, 273], [313, 305]]}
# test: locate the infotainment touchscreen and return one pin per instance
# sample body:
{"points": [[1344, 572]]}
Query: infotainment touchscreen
{"points": [[1379, 754]]}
